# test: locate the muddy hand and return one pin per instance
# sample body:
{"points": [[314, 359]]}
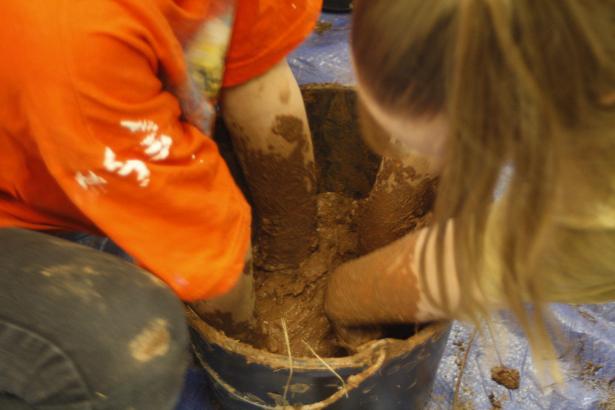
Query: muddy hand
{"points": [[237, 305], [377, 288]]}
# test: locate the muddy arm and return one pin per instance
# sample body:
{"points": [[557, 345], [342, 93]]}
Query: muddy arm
{"points": [[403, 193], [268, 124], [236, 305], [383, 286]]}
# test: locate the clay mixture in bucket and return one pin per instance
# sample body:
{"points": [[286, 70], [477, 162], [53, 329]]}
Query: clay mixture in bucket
{"points": [[297, 296], [291, 301]]}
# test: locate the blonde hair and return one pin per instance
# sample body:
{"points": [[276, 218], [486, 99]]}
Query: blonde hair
{"points": [[522, 83]]}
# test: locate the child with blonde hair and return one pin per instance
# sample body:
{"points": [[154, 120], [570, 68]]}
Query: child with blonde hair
{"points": [[480, 86]]}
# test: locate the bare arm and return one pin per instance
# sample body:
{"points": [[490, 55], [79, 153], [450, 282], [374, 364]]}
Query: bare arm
{"points": [[384, 287], [251, 109]]}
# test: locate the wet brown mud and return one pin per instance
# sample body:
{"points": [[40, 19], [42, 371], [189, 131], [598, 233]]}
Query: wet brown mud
{"points": [[356, 212], [283, 192]]}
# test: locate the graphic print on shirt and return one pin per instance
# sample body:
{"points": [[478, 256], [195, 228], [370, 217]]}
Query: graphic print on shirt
{"points": [[126, 168], [157, 146]]}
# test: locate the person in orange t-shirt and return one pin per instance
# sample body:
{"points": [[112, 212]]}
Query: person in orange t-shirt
{"points": [[106, 109]]}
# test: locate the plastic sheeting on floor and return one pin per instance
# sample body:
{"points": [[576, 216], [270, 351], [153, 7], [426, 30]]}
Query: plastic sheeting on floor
{"points": [[587, 341]]}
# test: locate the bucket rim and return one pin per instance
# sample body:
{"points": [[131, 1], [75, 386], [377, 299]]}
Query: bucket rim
{"points": [[327, 86], [365, 357]]}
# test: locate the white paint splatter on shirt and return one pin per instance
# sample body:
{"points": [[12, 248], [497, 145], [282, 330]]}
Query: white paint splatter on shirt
{"points": [[157, 145], [89, 179], [140, 126], [125, 168]]}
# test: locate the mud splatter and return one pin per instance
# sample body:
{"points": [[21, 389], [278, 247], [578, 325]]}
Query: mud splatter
{"points": [[322, 27], [151, 342], [505, 376]]}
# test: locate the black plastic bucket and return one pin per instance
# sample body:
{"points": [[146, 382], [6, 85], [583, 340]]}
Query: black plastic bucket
{"points": [[387, 374], [337, 6]]}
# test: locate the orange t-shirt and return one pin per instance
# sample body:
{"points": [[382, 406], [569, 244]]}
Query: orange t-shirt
{"points": [[93, 138]]}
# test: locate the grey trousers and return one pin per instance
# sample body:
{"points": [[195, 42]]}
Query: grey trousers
{"points": [[81, 330]]}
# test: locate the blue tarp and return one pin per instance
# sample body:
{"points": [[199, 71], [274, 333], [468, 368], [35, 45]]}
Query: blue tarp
{"points": [[587, 338]]}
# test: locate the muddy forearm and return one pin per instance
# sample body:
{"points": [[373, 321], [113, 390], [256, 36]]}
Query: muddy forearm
{"points": [[268, 124], [237, 305], [380, 287], [402, 196], [385, 286]]}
